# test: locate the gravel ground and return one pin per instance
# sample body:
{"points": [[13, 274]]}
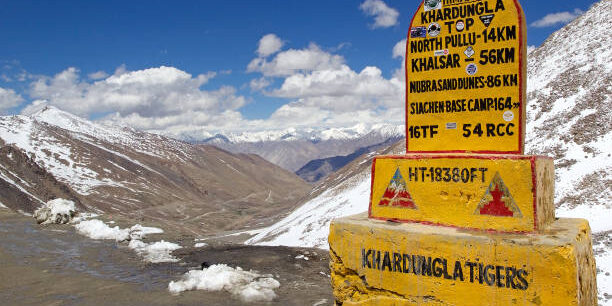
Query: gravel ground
{"points": [[53, 265]]}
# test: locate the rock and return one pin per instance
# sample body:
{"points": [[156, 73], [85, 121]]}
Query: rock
{"points": [[57, 211]]}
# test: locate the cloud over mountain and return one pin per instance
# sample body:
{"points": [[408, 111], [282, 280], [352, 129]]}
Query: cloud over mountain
{"points": [[9, 99], [321, 90], [149, 99], [556, 19], [325, 91]]}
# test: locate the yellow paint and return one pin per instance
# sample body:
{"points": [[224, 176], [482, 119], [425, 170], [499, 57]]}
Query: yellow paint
{"points": [[557, 262], [452, 139], [452, 189]]}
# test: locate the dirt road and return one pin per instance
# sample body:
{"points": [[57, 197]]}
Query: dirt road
{"points": [[54, 265]]}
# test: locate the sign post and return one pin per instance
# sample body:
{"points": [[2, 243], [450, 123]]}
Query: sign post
{"points": [[464, 218]]}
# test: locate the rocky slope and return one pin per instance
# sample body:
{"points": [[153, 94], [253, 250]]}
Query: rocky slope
{"points": [[343, 193], [25, 186], [119, 171], [318, 169], [569, 108]]}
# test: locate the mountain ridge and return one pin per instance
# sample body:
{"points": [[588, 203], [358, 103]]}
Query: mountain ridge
{"points": [[141, 175]]}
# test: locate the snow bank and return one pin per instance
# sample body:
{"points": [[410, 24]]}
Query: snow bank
{"points": [[82, 216], [96, 229], [57, 211], [598, 216], [155, 252], [248, 286], [2, 205], [138, 231], [302, 257]]}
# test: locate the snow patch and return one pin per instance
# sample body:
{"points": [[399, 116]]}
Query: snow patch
{"points": [[57, 211], [96, 229], [2, 205], [82, 216], [308, 226], [156, 252], [138, 231], [598, 215], [302, 257], [248, 286], [200, 244]]}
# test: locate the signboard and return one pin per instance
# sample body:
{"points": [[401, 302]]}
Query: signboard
{"points": [[499, 192], [465, 77], [381, 263]]}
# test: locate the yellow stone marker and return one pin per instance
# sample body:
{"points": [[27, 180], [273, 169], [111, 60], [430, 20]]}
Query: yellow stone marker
{"points": [[510, 193], [466, 77], [384, 263], [463, 218]]}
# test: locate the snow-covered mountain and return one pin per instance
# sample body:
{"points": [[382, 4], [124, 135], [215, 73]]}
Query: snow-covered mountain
{"points": [[292, 148], [293, 134], [141, 175], [570, 107], [569, 118]]}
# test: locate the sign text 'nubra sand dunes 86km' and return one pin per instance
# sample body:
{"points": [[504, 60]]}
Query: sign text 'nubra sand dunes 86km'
{"points": [[463, 218], [466, 77]]}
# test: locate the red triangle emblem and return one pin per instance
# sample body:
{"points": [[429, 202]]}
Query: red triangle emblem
{"points": [[497, 201], [397, 194]]}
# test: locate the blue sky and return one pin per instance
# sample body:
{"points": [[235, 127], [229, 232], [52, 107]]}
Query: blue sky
{"points": [[51, 50]]}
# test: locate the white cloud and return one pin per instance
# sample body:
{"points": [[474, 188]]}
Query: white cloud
{"points": [[327, 92], [294, 61], [399, 50], [98, 75], [259, 84], [150, 99], [384, 16], [268, 45], [9, 99], [556, 19], [338, 83]]}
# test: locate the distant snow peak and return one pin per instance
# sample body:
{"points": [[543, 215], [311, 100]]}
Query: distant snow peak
{"points": [[309, 134]]}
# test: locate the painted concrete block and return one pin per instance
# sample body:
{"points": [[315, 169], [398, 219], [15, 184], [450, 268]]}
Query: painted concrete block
{"points": [[386, 263], [508, 193]]}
